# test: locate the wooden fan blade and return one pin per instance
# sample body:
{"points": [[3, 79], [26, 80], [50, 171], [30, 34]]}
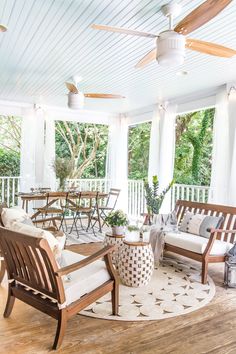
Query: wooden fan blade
{"points": [[3, 28], [71, 87], [102, 95], [148, 58], [201, 15], [124, 31], [210, 48]]}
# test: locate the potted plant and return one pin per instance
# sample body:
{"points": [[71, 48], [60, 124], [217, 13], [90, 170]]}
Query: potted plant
{"points": [[133, 232], [62, 168], [117, 220], [154, 198]]}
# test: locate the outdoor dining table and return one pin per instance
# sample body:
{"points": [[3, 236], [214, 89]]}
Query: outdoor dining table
{"points": [[36, 196]]}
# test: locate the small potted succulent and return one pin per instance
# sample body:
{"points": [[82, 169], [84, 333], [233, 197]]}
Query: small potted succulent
{"points": [[133, 232], [117, 220]]}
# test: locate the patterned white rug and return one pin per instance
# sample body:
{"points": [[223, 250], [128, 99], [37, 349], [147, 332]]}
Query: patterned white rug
{"points": [[83, 237], [175, 289]]}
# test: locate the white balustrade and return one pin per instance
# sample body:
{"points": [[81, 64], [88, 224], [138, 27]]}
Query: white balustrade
{"points": [[136, 195], [9, 186], [84, 184], [189, 192]]}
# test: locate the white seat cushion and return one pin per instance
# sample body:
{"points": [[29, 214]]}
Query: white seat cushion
{"points": [[84, 280], [196, 243]]}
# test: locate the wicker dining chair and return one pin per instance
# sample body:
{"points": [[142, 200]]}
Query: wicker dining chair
{"points": [[35, 278]]}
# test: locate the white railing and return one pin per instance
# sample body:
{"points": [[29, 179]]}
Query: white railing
{"points": [[136, 198], [189, 192], [9, 186], [136, 195], [100, 184]]}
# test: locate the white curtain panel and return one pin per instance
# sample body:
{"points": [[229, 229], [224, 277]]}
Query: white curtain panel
{"points": [[117, 159], [49, 178], [167, 152], [221, 151], [28, 139], [39, 147], [162, 149], [232, 179], [154, 146]]}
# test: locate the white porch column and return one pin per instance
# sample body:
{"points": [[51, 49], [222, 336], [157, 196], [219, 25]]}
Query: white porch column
{"points": [[221, 151], [117, 159], [162, 149]]}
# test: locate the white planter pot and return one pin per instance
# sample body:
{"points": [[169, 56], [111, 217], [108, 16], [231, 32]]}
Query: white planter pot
{"points": [[118, 230]]}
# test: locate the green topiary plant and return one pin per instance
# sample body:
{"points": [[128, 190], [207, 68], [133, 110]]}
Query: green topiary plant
{"points": [[154, 199]]}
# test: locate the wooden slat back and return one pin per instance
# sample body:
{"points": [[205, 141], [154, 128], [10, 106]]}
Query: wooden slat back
{"points": [[30, 261], [228, 213]]}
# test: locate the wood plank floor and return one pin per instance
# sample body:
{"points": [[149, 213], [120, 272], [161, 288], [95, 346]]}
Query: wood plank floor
{"points": [[211, 329]]}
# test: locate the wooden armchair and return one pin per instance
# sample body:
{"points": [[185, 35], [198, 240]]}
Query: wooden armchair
{"points": [[36, 279]]}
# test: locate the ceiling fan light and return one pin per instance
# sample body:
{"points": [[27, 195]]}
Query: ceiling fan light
{"points": [[75, 100], [170, 48]]}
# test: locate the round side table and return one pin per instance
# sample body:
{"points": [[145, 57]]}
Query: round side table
{"points": [[136, 263], [116, 240]]}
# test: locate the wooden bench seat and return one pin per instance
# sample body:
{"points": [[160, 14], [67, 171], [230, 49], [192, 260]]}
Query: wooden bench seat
{"points": [[226, 232]]}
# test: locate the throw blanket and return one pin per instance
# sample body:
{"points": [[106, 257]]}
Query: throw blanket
{"points": [[162, 224]]}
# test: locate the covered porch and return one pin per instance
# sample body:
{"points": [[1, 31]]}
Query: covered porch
{"points": [[117, 176]]}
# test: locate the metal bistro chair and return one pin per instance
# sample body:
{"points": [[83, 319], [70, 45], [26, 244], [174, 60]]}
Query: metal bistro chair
{"points": [[110, 205], [83, 206], [35, 278]]}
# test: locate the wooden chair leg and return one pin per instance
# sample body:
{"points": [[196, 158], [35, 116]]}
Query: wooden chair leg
{"points": [[204, 271], [2, 270], [61, 328], [9, 304], [115, 300]]}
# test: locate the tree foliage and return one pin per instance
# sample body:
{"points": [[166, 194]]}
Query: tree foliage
{"points": [[138, 150], [85, 145], [10, 142], [194, 132]]}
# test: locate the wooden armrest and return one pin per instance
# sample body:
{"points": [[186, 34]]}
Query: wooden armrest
{"points": [[94, 257], [223, 231], [212, 238]]}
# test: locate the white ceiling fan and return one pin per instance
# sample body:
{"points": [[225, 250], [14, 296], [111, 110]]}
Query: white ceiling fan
{"points": [[76, 97], [172, 43]]}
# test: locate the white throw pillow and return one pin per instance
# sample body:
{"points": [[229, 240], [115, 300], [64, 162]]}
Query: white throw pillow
{"points": [[37, 232], [11, 215]]}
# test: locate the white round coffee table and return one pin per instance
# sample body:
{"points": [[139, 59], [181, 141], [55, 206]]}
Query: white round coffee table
{"points": [[136, 263]]}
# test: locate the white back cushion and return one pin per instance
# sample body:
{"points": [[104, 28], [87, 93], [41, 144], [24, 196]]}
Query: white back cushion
{"points": [[37, 232], [11, 215]]}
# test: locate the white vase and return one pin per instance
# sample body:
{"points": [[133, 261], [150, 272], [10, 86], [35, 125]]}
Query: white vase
{"points": [[117, 230]]}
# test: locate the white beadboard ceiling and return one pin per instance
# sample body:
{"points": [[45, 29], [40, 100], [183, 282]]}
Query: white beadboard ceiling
{"points": [[49, 40]]}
